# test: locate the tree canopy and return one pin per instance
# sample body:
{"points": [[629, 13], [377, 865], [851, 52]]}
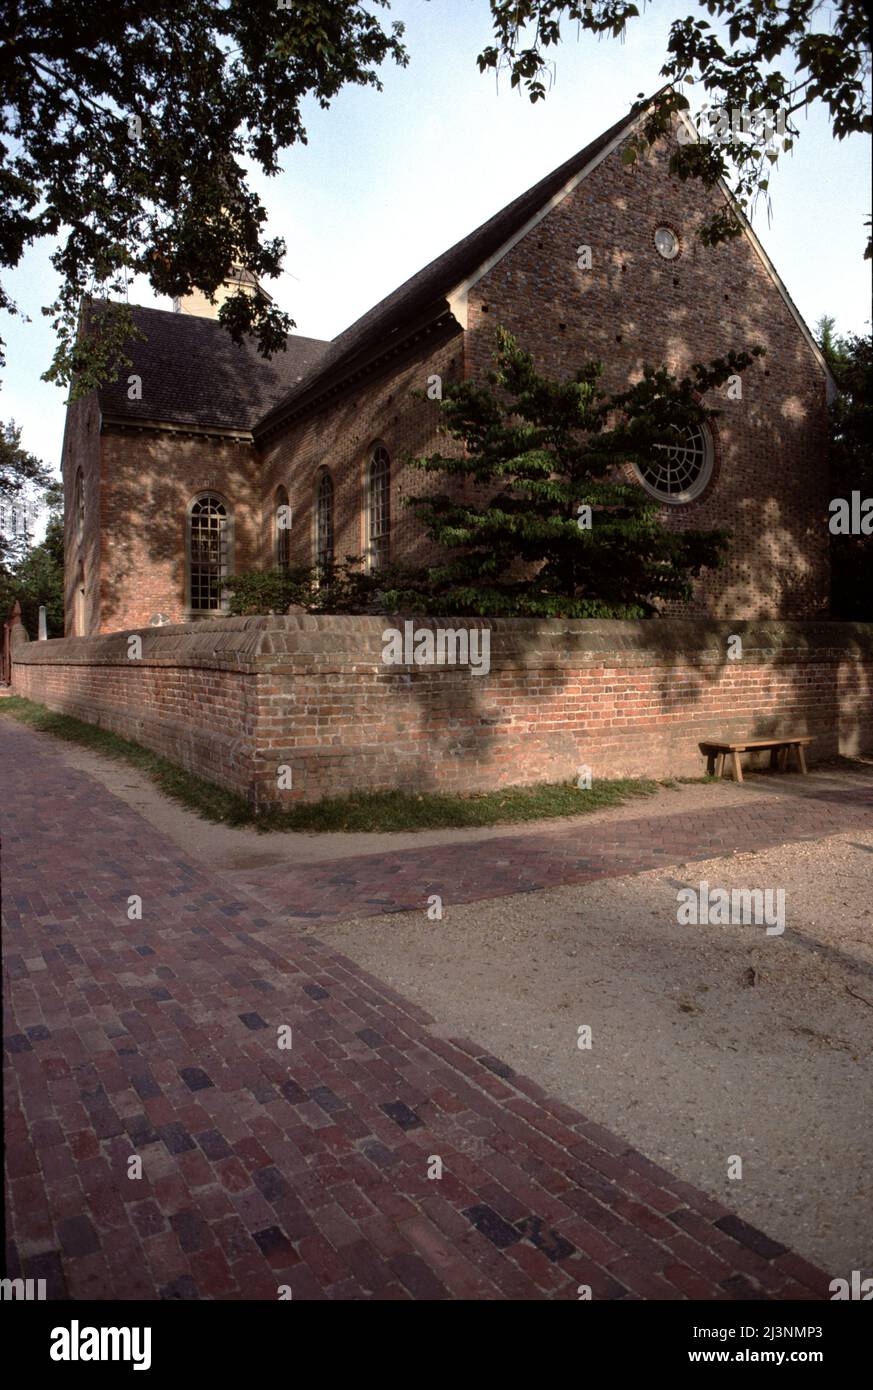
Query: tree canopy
{"points": [[125, 130], [22, 477], [850, 457], [753, 56]]}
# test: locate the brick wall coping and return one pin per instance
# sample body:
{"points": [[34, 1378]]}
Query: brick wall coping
{"points": [[301, 641]]}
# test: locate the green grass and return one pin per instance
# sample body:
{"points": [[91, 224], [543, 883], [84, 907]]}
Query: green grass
{"points": [[361, 811]]}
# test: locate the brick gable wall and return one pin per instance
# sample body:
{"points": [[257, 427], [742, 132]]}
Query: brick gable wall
{"points": [[82, 557], [770, 485]]}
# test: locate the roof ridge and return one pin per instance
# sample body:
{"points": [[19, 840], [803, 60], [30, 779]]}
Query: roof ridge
{"points": [[452, 266], [202, 319]]}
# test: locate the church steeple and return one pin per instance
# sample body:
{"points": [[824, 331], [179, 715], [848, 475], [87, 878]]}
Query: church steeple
{"points": [[239, 279]]}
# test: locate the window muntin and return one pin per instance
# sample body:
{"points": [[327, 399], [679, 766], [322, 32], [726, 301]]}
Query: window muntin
{"points": [[281, 523], [378, 508], [324, 520], [679, 472], [208, 550], [80, 507]]}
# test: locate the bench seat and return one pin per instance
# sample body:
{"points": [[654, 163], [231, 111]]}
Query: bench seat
{"points": [[718, 750]]}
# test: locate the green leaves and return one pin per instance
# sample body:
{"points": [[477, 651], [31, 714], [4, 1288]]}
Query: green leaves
{"points": [[213, 85], [538, 450], [826, 49]]}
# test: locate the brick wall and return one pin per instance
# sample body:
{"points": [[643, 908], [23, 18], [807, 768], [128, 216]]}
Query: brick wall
{"points": [[236, 699], [191, 698], [82, 539], [770, 483], [341, 436], [149, 479]]}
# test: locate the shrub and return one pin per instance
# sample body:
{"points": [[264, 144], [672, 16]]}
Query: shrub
{"points": [[343, 588]]}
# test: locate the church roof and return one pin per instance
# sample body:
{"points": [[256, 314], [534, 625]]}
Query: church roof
{"points": [[442, 275], [194, 374]]}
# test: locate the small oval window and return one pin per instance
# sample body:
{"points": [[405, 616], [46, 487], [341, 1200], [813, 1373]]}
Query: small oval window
{"points": [[667, 243]]}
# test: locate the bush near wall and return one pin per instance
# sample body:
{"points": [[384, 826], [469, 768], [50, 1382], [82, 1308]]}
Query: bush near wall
{"points": [[343, 588]]}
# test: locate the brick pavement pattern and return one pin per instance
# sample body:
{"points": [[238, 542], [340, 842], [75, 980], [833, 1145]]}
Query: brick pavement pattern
{"points": [[306, 1169], [367, 884]]}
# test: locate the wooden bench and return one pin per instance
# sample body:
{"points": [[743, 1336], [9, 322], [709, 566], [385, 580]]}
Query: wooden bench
{"points": [[717, 750]]}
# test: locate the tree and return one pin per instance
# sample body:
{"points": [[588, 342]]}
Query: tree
{"points": [[125, 129], [850, 457], [35, 575], [20, 473], [781, 56], [538, 453], [336, 588], [38, 581]]}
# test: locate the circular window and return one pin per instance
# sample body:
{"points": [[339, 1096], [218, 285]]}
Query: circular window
{"points": [[667, 243], [679, 472]]}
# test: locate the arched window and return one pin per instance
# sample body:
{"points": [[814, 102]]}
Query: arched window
{"points": [[378, 508], [282, 525], [324, 520], [79, 619], [80, 507], [79, 602], [208, 552]]}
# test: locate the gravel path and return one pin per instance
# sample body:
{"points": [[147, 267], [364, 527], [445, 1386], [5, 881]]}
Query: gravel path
{"points": [[708, 1041]]}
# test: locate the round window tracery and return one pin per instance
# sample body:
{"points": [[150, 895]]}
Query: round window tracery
{"points": [[679, 472]]}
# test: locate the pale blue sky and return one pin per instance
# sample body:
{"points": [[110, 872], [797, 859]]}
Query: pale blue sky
{"points": [[391, 179]]}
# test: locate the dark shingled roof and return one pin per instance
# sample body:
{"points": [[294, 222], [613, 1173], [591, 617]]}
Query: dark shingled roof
{"points": [[442, 275], [194, 374]]}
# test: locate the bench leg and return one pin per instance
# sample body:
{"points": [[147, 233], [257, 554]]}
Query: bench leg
{"points": [[801, 758], [719, 765], [774, 761], [710, 764], [738, 771]]}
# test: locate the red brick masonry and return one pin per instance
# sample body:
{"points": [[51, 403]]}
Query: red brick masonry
{"points": [[306, 1168], [237, 699]]}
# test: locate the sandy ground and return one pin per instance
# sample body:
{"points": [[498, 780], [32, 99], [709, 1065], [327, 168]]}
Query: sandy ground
{"points": [[708, 1041], [690, 1061]]}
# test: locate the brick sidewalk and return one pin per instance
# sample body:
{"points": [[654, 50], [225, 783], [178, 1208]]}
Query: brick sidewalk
{"points": [[157, 1038], [367, 884]]}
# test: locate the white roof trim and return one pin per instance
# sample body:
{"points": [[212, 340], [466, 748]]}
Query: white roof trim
{"points": [[458, 297], [460, 292]]}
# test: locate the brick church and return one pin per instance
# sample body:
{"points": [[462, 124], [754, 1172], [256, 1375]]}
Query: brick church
{"points": [[168, 493]]}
